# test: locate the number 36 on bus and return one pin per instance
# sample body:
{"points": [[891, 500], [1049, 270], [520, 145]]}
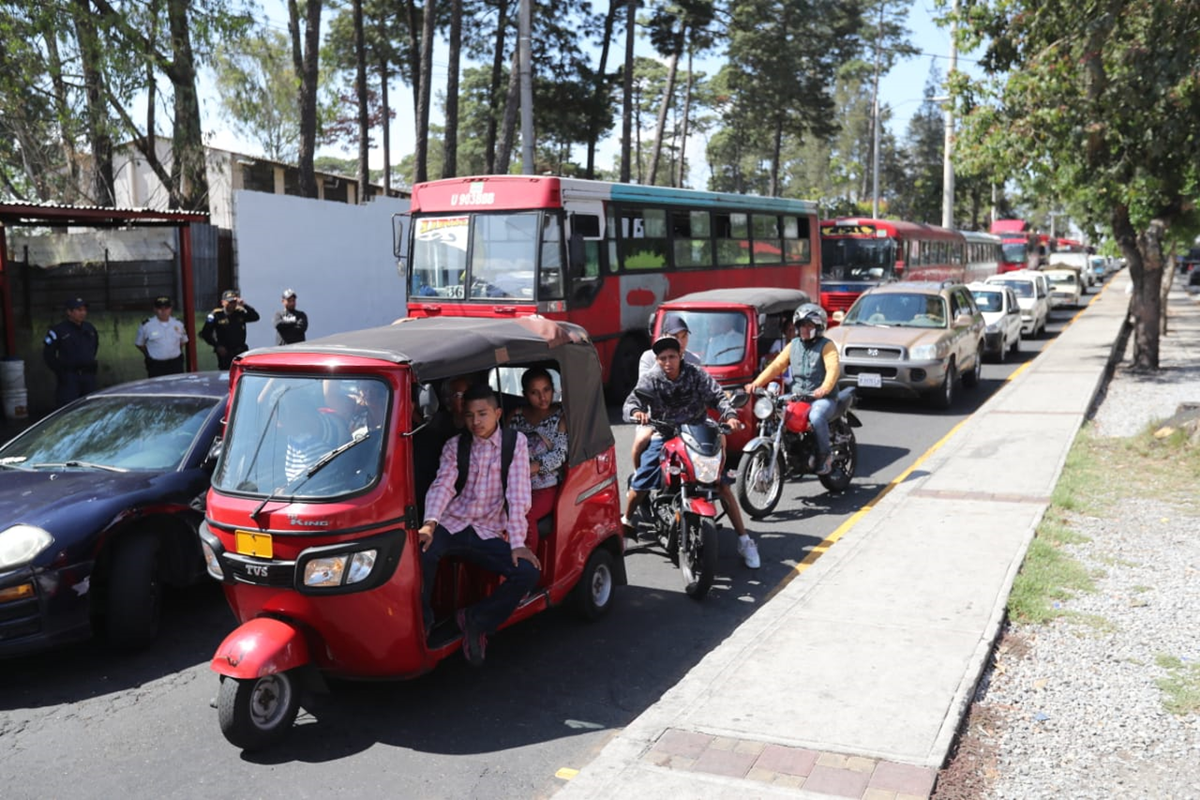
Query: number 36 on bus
{"points": [[601, 255]]}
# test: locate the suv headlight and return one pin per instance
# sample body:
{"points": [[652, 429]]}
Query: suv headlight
{"points": [[926, 352], [339, 570], [20, 544]]}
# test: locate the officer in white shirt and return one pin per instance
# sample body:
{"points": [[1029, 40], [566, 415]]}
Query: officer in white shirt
{"points": [[161, 339]]}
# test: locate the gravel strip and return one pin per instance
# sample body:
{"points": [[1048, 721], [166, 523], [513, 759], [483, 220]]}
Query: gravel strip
{"points": [[1072, 708]]}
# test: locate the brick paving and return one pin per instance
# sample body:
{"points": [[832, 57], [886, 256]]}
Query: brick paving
{"points": [[833, 774]]}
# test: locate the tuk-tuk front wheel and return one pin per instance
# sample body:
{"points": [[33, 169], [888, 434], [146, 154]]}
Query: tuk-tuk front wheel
{"points": [[594, 592], [257, 713]]}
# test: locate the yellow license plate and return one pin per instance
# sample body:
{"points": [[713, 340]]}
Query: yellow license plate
{"points": [[254, 544]]}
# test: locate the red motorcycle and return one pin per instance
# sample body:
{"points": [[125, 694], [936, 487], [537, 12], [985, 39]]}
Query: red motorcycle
{"points": [[786, 447], [683, 509]]}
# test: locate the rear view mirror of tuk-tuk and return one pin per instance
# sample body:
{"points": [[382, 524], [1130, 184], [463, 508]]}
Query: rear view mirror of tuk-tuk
{"points": [[427, 401]]}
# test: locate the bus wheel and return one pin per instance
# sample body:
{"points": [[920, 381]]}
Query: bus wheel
{"points": [[623, 374]]}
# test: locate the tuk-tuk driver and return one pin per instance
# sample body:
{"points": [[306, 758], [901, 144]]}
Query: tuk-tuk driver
{"points": [[681, 392], [484, 523]]}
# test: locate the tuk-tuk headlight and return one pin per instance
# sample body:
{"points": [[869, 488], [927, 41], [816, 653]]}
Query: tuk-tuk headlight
{"points": [[20, 544], [339, 570], [764, 407], [211, 562]]}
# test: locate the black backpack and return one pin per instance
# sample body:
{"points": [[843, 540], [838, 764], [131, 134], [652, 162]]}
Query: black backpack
{"points": [[508, 444]]}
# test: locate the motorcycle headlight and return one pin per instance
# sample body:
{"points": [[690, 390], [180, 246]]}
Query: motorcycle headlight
{"points": [[20, 544], [707, 468], [339, 570], [925, 352], [764, 407]]}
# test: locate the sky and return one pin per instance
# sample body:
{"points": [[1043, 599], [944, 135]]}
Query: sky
{"points": [[901, 89]]}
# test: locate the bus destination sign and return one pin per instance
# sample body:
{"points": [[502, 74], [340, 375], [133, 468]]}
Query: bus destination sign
{"points": [[849, 230]]}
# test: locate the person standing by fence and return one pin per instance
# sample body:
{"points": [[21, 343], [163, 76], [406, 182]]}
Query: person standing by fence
{"points": [[70, 353], [225, 327], [161, 339], [290, 324]]}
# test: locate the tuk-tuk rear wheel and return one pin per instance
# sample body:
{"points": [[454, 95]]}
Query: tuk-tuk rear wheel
{"points": [[254, 714], [594, 592]]}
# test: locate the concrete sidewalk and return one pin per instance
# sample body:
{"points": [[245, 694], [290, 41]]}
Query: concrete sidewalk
{"points": [[853, 678]]}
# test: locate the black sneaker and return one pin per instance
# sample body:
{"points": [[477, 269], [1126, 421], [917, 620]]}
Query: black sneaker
{"points": [[474, 644]]}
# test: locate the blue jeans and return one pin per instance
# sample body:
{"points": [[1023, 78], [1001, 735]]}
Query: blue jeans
{"points": [[494, 555], [818, 417], [649, 473]]}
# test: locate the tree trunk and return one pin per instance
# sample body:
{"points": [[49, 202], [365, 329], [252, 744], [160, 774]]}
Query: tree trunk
{"points": [[387, 128], [493, 122], [661, 126], [511, 102], [189, 170], [305, 55], [414, 54], [1144, 256], [360, 89], [450, 142], [103, 191], [425, 93], [598, 93], [687, 110], [776, 153], [627, 91], [62, 106]]}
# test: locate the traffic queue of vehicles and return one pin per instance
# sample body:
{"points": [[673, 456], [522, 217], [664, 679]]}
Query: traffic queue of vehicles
{"points": [[156, 482]]}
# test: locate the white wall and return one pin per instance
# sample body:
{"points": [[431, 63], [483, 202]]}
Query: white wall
{"points": [[337, 257]]}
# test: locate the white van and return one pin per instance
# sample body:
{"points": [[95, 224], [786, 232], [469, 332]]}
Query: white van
{"points": [[1033, 296], [1076, 261]]}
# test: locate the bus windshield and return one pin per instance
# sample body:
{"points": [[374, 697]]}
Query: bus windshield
{"points": [[1014, 252], [487, 256], [858, 259]]}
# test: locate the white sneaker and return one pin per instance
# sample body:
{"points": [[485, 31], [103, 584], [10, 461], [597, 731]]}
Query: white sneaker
{"points": [[748, 550]]}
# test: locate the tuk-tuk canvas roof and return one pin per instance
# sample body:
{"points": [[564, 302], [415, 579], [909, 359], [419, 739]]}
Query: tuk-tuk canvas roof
{"points": [[446, 347], [767, 299]]}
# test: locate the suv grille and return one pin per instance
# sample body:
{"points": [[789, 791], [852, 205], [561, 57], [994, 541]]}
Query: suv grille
{"points": [[868, 352]]}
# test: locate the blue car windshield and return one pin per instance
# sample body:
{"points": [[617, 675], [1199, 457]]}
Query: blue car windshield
{"points": [[303, 436], [122, 432]]}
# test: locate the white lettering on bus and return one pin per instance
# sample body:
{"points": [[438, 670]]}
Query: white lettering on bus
{"points": [[473, 199]]}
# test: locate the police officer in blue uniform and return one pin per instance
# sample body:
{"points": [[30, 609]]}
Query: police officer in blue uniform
{"points": [[70, 352], [225, 327]]}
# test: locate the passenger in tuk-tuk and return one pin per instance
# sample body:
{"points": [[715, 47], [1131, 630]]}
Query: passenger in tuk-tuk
{"points": [[680, 393], [484, 523], [545, 428]]}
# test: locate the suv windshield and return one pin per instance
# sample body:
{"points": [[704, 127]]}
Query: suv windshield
{"points": [[893, 309], [147, 432], [302, 436]]}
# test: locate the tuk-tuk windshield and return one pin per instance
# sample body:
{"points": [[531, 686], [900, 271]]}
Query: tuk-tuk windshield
{"points": [[303, 436], [717, 337]]}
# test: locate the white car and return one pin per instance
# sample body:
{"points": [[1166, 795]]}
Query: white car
{"points": [[1079, 261], [1002, 315], [1066, 286], [1033, 296]]}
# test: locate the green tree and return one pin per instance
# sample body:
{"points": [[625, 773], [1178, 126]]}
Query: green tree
{"points": [[257, 92], [919, 199], [1099, 105]]}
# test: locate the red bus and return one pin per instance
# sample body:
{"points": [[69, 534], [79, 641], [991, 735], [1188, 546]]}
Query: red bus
{"points": [[602, 255], [857, 254], [1022, 245]]}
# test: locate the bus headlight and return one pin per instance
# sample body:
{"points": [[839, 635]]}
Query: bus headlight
{"points": [[339, 570]]}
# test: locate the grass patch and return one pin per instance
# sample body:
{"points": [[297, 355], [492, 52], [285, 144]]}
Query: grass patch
{"points": [[1048, 577], [1181, 687]]}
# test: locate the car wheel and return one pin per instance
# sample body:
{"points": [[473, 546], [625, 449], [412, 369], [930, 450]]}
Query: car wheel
{"points": [[943, 398], [593, 594], [1002, 353], [134, 586], [971, 379], [1016, 345]]}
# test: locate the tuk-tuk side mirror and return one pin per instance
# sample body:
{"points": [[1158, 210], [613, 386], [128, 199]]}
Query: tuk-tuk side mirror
{"points": [[400, 226], [214, 452], [427, 401]]}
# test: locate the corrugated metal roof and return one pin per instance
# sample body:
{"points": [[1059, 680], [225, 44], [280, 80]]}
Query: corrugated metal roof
{"points": [[63, 213]]}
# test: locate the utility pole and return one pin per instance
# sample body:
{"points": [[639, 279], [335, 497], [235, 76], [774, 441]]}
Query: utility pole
{"points": [[947, 164], [524, 34], [875, 124]]}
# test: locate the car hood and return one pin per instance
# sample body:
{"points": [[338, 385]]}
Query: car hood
{"points": [[992, 317], [844, 335], [49, 499]]}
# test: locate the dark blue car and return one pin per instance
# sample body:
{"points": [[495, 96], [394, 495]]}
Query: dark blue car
{"points": [[96, 513]]}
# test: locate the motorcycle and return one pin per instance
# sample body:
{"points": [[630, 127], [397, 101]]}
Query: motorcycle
{"points": [[786, 447], [683, 509]]}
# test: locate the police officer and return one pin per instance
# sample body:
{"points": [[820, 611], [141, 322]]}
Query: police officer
{"points": [[70, 352], [290, 324], [161, 339], [225, 327]]}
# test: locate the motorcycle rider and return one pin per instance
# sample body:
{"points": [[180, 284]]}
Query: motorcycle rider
{"points": [[680, 392], [815, 366]]}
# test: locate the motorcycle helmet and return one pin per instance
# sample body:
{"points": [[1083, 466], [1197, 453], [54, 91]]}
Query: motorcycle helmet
{"points": [[813, 313]]}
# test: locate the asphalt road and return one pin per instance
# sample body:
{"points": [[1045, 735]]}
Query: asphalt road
{"points": [[85, 722]]}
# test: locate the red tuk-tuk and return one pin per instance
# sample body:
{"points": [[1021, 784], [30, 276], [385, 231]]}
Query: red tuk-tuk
{"points": [[318, 493], [735, 332]]}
